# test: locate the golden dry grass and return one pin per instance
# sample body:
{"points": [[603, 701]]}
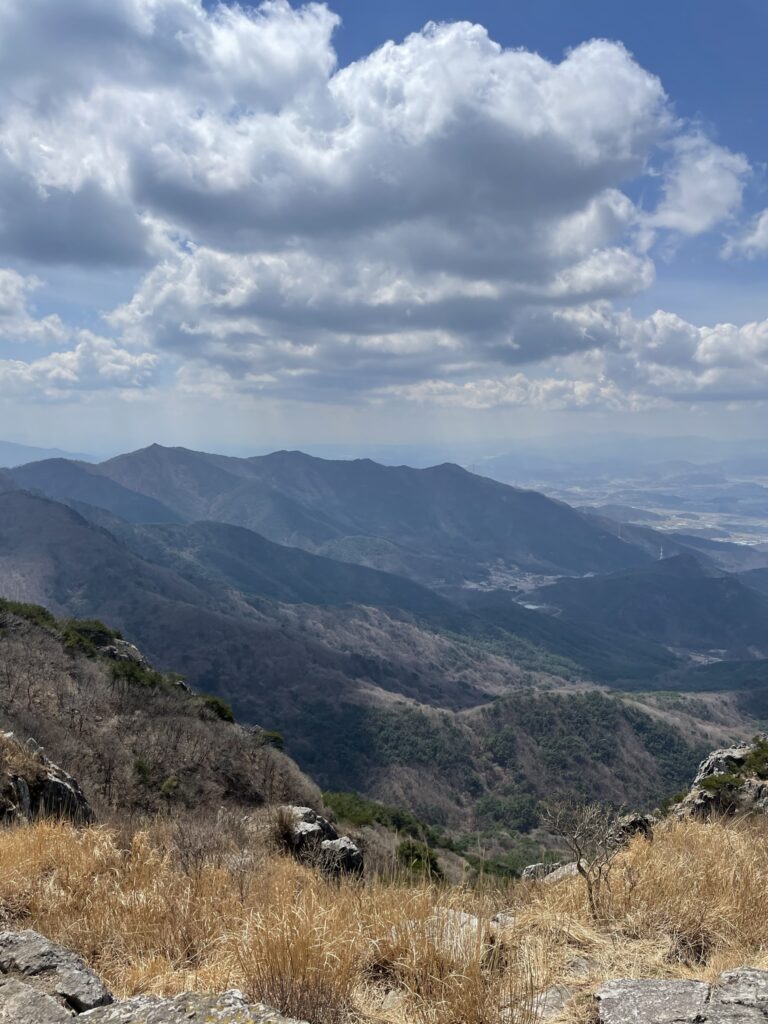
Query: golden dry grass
{"points": [[150, 917]]}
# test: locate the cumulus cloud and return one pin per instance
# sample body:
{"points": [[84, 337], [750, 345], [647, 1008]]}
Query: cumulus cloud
{"points": [[93, 364], [423, 223], [703, 185], [753, 241], [17, 321]]}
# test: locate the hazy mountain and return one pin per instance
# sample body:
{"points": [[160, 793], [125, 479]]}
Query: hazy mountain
{"points": [[75, 481], [367, 674], [435, 525], [12, 454], [675, 601]]}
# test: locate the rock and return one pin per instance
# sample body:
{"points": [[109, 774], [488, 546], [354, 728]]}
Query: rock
{"points": [[58, 795], [22, 1004], [503, 922], [229, 1008], [51, 969], [44, 983], [731, 781], [307, 827], [551, 1002], [631, 825], [341, 856], [652, 1002], [535, 872], [313, 838], [739, 997], [34, 787], [458, 935], [561, 873], [746, 986], [122, 650]]}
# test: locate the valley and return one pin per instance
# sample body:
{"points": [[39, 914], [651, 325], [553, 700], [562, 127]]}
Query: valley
{"points": [[462, 696]]}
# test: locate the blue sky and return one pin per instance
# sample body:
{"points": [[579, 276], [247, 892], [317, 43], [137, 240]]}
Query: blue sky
{"points": [[285, 224]]}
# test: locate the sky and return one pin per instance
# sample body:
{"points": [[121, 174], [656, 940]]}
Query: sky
{"points": [[243, 227]]}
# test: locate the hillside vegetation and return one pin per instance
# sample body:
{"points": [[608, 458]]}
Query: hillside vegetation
{"points": [[136, 740]]}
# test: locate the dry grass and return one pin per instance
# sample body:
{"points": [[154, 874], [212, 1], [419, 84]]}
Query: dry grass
{"points": [[152, 916]]}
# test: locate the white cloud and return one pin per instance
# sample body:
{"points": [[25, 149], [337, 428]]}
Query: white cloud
{"points": [[93, 364], [753, 241], [17, 322], [424, 222], [703, 185]]}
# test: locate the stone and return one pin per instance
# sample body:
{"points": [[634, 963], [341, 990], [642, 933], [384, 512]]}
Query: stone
{"points": [[535, 872], [228, 1008], [652, 1002], [341, 856], [742, 792], [631, 825], [22, 1004], [552, 1001], [51, 969], [122, 650], [312, 837], [745, 985], [503, 922], [40, 788], [739, 997], [561, 873]]}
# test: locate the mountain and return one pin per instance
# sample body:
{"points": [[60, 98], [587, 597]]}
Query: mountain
{"points": [[76, 481], [12, 454], [438, 525], [676, 601], [366, 674]]}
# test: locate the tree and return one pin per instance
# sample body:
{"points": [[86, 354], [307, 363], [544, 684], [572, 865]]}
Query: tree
{"points": [[589, 830]]}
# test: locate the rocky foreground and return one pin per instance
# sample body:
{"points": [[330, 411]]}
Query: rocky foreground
{"points": [[43, 983]]}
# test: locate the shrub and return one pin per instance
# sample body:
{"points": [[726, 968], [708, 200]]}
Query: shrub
{"points": [[87, 635], [31, 612], [219, 707], [418, 859]]}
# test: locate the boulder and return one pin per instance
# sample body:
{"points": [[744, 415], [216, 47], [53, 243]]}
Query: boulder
{"points": [[44, 983], [311, 837], [229, 1008], [122, 650], [551, 1002], [561, 873], [631, 825], [739, 997], [535, 872], [52, 970], [730, 781], [31, 786], [652, 1002], [22, 1004], [341, 856]]}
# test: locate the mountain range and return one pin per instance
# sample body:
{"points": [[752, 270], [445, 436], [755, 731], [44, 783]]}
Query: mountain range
{"points": [[408, 630]]}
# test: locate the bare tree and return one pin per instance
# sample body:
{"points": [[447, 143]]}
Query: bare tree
{"points": [[589, 831]]}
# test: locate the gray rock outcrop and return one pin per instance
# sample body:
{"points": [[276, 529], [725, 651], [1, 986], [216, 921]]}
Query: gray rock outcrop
{"points": [[739, 997], [312, 838], [50, 969], [39, 789], [44, 983], [229, 1008], [732, 781]]}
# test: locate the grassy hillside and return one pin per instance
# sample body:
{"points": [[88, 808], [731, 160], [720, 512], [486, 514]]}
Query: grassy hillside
{"points": [[134, 738], [211, 909]]}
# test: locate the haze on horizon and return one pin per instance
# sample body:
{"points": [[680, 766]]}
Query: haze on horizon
{"points": [[257, 226]]}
